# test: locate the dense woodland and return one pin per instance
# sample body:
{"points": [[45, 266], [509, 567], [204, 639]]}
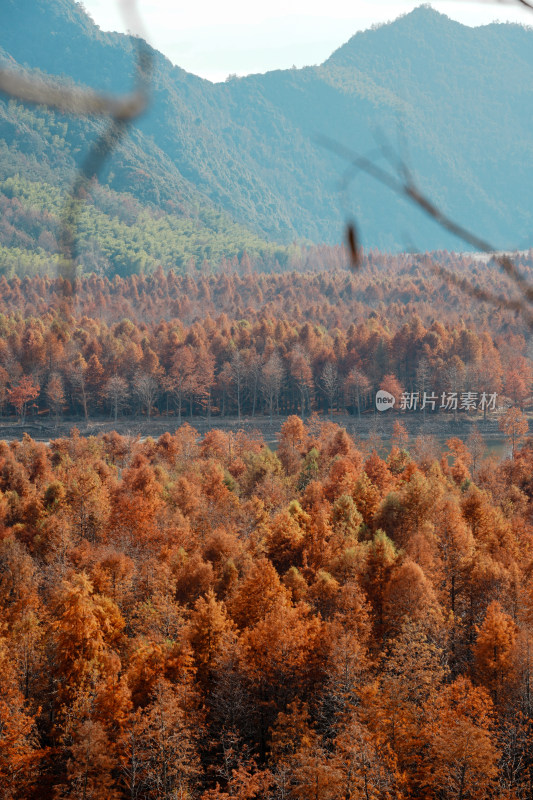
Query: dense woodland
{"points": [[242, 343], [248, 146], [116, 233], [202, 618], [205, 618], [209, 619]]}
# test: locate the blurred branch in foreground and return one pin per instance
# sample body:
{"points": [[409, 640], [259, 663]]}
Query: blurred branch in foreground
{"points": [[120, 111], [402, 183]]}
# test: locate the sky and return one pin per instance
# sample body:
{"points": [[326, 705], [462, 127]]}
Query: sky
{"points": [[214, 39]]}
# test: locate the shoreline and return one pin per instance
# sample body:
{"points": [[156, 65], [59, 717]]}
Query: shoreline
{"points": [[369, 425]]}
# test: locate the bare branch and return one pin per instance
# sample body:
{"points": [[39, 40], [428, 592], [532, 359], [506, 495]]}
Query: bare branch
{"points": [[121, 111], [525, 3], [404, 185], [469, 288], [70, 100]]}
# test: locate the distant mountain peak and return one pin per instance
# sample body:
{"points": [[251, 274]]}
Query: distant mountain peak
{"points": [[421, 20], [425, 10], [249, 147], [48, 13], [424, 15]]}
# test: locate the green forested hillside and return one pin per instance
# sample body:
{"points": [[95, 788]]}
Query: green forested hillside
{"points": [[119, 232], [460, 99]]}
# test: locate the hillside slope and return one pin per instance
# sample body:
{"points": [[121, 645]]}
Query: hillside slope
{"points": [[461, 99]]}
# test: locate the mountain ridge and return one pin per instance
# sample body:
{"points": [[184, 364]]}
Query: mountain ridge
{"points": [[248, 146]]}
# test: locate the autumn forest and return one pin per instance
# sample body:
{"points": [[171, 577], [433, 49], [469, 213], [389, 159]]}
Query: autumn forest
{"points": [[207, 617], [266, 500], [240, 342]]}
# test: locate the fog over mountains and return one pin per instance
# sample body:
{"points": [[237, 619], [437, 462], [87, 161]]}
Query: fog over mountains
{"points": [[457, 101]]}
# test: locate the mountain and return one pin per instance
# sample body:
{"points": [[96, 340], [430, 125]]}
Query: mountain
{"points": [[454, 101]]}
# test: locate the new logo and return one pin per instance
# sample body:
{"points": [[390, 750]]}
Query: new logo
{"points": [[384, 400]]}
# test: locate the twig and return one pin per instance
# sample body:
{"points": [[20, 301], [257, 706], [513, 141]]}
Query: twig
{"points": [[70, 100], [121, 111], [405, 186]]}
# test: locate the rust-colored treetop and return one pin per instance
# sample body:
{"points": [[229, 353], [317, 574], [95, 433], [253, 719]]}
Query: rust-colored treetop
{"points": [[211, 619]]}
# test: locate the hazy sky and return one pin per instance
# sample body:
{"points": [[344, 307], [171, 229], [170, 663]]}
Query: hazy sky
{"points": [[214, 38]]}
